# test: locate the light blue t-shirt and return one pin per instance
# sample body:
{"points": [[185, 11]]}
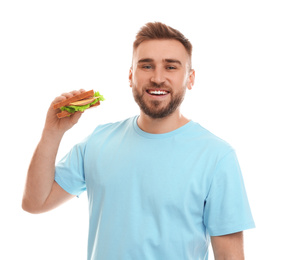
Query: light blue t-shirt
{"points": [[156, 196]]}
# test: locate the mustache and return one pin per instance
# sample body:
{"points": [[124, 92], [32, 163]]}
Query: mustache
{"points": [[153, 85]]}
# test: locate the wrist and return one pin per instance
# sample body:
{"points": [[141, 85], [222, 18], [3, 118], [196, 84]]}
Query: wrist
{"points": [[52, 135]]}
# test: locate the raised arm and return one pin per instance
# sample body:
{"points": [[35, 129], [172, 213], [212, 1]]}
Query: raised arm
{"points": [[41, 192]]}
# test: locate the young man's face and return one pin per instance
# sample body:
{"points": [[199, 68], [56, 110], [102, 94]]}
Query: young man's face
{"points": [[159, 76]]}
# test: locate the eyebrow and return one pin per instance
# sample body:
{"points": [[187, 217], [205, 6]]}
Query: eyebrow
{"points": [[164, 60], [173, 61], [145, 60]]}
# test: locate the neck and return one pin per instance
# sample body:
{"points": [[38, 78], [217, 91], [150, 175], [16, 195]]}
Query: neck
{"points": [[161, 125]]}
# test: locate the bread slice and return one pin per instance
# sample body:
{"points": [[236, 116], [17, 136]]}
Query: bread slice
{"points": [[63, 114], [81, 96]]}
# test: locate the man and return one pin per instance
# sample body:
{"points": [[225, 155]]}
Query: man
{"points": [[159, 185]]}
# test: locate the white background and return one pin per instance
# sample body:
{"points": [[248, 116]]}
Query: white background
{"points": [[50, 47]]}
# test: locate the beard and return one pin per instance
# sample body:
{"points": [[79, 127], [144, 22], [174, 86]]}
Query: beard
{"points": [[155, 108]]}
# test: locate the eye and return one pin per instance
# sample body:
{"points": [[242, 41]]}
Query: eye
{"points": [[147, 67], [170, 67]]}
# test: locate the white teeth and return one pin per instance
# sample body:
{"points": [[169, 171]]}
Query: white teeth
{"points": [[158, 92]]}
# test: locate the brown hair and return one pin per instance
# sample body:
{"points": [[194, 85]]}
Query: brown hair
{"points": [[157, 31]]}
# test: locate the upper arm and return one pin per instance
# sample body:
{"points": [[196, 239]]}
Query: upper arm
{"points": [[228, 246], [56, 197]]}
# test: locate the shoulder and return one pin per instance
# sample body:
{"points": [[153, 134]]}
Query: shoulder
{"points": [[209, 140], [115, 125], [105, 131]]}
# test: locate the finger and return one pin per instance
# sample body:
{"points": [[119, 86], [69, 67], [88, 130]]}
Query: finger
{"points": [[72, 93], [67, 95], [76, 116], [59, 99], [75, 92]]}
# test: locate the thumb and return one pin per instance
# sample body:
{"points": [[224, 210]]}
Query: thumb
{"points": [[76, 117]]}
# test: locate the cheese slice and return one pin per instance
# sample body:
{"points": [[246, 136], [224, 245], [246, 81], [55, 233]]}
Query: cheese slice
{"points": [[83, 102]]}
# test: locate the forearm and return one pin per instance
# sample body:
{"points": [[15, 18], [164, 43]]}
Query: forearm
{"points": [[41, 172]]}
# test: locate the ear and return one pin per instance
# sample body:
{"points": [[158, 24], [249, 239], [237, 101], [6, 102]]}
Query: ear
{"points": [[191, 79], [130, 76]]}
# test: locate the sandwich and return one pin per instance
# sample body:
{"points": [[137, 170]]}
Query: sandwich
{"points": [[79, 102]]}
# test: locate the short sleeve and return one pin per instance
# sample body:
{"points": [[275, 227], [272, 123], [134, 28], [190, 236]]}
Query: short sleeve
{"points": [[69, 173], [227, 208]]}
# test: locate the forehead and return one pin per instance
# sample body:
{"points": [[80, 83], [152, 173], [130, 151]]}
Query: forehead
{"points": [[159, 50]]}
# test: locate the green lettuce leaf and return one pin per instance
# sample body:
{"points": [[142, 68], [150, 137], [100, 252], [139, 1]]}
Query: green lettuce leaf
{"points": [[73, 109]]}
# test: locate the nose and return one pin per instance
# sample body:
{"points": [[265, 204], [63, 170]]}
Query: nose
{"points": [[158, 76]]}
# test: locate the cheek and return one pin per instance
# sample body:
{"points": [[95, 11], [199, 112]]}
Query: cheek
{"points": [[182, 81], [140, 76], [138, 81]]}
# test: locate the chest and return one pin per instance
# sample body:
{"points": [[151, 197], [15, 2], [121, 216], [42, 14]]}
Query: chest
{"points": [[159, 174]]}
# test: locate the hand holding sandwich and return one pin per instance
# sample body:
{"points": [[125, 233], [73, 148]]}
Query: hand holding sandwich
{"points": [[57, 125], [66, 109]]}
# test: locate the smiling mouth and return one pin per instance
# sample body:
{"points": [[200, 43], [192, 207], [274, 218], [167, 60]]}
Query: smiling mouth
{"points": [[159, 92]]}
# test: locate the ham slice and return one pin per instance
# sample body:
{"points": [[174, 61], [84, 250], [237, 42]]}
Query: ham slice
{"points": [[83, 102]]}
